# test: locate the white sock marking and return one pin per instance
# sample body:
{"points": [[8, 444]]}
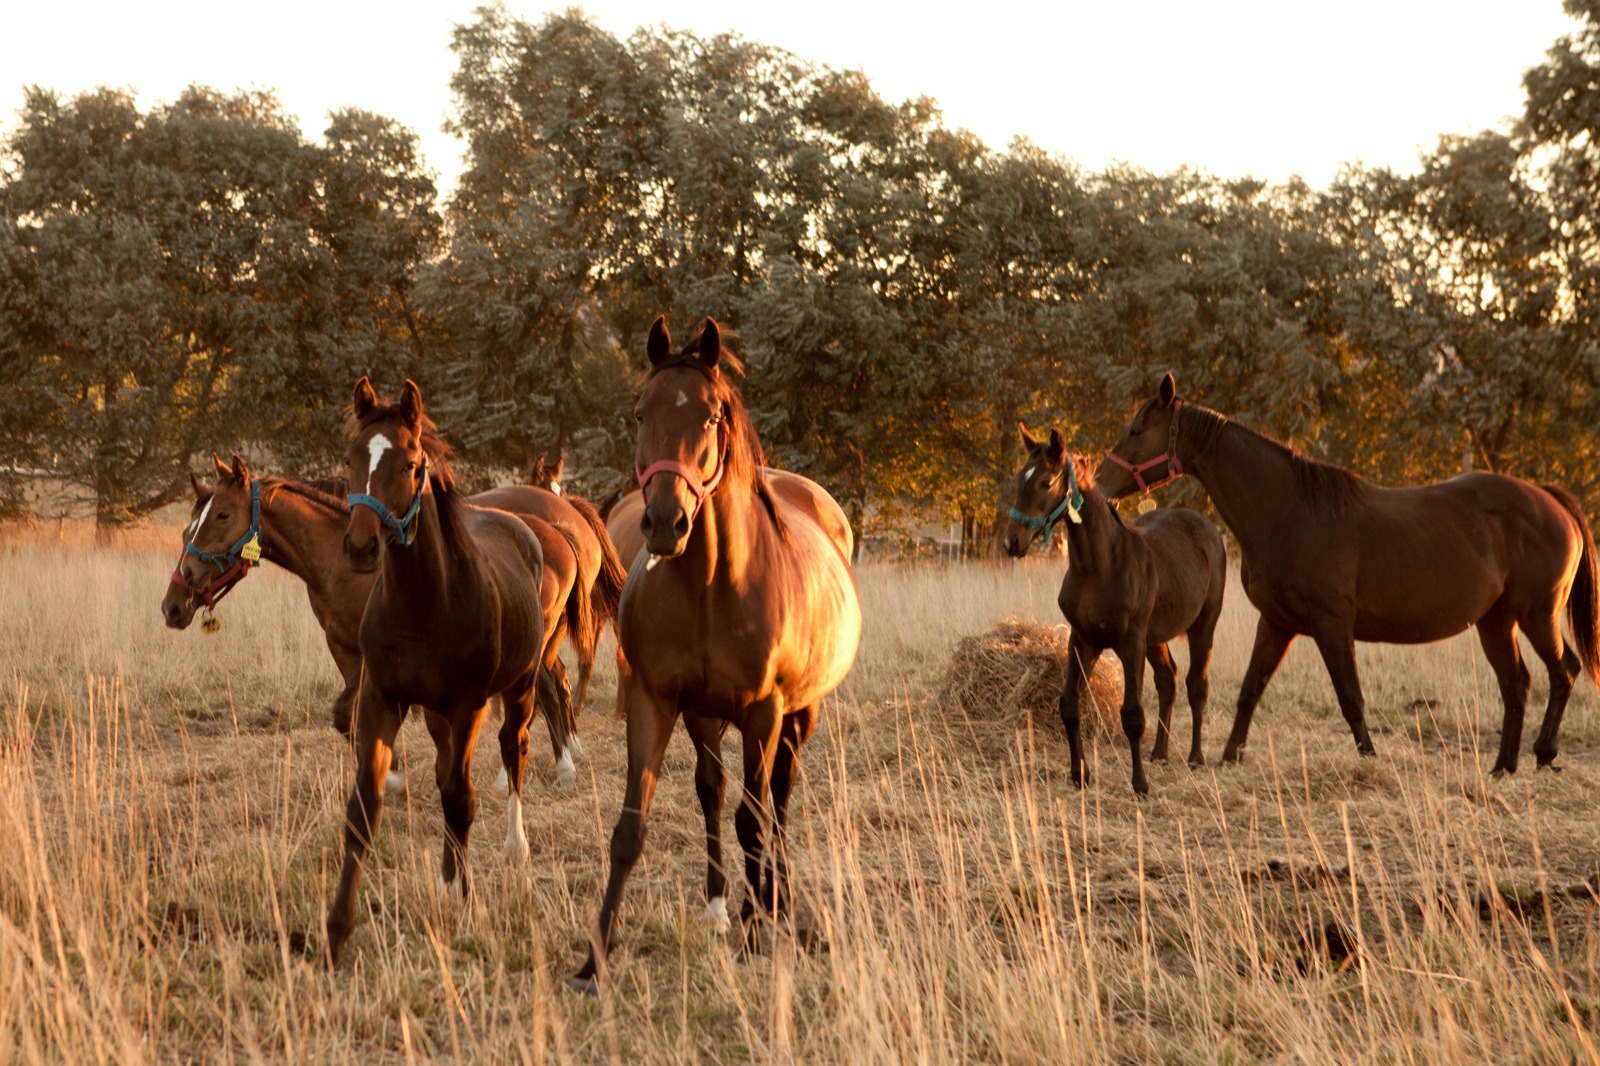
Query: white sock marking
{"points": [[394, 783], [516, 838], [566, 773], [577, 747], [503, 781], [375, 449], [716, 916], [451, 890]]}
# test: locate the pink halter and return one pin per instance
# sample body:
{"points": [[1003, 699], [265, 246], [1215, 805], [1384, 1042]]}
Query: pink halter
{"points": [[701, 489], [1170, 457]]}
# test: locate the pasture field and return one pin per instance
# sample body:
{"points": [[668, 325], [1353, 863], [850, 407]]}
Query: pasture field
{"points": [[170, 808]]}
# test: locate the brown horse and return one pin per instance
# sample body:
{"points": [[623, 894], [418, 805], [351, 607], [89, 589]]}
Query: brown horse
{"points": [[1332, 556], [741, 611], [299, 524], [627, 535], [453, 619], [1130, 588]]}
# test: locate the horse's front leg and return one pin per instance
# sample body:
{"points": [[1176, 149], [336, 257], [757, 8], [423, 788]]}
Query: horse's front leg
{"points": [[1131, 651], [650, 723], [457, 797], [377, 723], [709, 782], [1272, 644], [518, 702]]}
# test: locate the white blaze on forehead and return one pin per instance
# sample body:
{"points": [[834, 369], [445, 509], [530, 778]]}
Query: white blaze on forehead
{"points": [[1028, 473], [375, 449], [683, 397], [194, 529]]}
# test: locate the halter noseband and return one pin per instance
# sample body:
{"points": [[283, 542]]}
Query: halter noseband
{"points": [[700, 489], [1071, 503], [232, 565], [1170, 457], [402, 530]]}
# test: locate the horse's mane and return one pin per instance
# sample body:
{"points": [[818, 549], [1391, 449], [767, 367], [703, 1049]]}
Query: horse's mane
{"points": [[742, 466], [1319, 484], [330, 494]]}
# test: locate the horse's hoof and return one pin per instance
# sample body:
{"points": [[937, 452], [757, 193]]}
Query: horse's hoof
{"points": [[1366, 751], [585, 986], [1196, 761], [1501, 771], [1142, 787], [1231, 758], [716, 916], [1158, 756], [453, 891], [394, 784], [1550, 765]]}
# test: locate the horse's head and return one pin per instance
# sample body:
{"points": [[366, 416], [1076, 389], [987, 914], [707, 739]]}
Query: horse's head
{"points": [[685, 435], [387, 458], [1047, 491], [544, 475], [214, 556], [1148, 445]]}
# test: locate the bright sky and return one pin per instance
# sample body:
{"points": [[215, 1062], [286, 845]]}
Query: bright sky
{"points": [[1267, 88]]}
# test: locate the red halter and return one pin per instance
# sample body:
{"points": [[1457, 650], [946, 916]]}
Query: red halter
{"points": [[701, 489], [1170, 457]]}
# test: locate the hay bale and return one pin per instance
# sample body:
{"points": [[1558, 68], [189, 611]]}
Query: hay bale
{"points": [[1017, 669]]}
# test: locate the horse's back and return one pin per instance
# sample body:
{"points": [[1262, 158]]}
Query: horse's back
{"points": [[1191, 563], [814, 501]]}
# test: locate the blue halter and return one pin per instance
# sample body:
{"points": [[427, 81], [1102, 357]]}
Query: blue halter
{"points": [[1071, 503], [402, 530], [234, 556]]}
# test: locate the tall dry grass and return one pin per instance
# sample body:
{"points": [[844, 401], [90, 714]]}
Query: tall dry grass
{"points": [[170, 810]]}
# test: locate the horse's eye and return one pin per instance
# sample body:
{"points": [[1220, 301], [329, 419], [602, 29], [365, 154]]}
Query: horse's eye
{"points": [[222, 516], [410, 465]]}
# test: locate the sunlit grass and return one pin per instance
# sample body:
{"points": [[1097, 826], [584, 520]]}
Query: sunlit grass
{"points": [[170, 810]]}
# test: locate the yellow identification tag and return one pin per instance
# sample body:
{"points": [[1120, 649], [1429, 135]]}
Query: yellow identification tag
{"points": [[1145, 506], [251, 550]]}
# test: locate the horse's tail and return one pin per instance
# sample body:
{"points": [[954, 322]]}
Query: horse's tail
{"points": [[612, 576], [1583, 602]]}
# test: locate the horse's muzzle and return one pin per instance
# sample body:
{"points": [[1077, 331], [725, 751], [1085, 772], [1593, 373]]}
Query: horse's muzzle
{"points": [[177, 610], [665, 525], [363, 559]]}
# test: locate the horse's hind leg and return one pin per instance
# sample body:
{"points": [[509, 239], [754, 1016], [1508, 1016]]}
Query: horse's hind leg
{"points": [[761, 732], [710, 779], [456, 795], [1563, 667], [797, 729], [518, 702], [1272, 644], [555, 700], [1166, 678], [649, 729], [376, 725], [1497, 635], [1081, 660]]}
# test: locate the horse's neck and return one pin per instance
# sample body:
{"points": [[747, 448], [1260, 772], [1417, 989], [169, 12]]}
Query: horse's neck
{"points": [[302, 538], [423, 572], [729, 521], [1090, 540], [1250, 480]]}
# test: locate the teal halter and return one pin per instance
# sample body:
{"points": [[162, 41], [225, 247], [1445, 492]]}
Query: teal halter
{"points": [[1071, 503], [402, 530]]}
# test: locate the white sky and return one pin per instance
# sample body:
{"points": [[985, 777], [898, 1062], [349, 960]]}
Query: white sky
{"points": [[1267, 88]]}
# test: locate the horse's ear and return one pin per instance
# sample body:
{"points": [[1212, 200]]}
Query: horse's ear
{"points": [[1029, 441], [365, 400], [555, 471], [200, 490], [710, 344], [223, 470], [1169, 390], [411, 404], [659, 346], [238, 471], [1058, 446]]}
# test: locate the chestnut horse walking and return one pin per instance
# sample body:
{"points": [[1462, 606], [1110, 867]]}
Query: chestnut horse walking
{"points": [[1332, 556], [1130, 588], [741, 611], [298, 525], [453, 619]]}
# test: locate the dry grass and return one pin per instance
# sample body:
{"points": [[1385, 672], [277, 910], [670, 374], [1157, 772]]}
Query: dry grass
{"points": [[169, 825], [1014, 674]]}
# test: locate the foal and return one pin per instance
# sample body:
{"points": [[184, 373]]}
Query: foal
{"points": [[1129, 588], [454, 619]]}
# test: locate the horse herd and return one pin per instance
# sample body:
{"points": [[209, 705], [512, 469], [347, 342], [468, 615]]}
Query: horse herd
{"points": [[738, 605]]}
